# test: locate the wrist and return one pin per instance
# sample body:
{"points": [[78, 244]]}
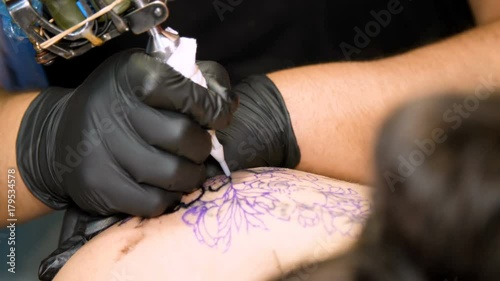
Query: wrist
{"points": [[35, 147], [278, 110], [261, 132]]}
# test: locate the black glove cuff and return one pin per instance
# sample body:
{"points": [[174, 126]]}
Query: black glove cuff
{"points": [[78, 228], [33, 146], [263, 112]]}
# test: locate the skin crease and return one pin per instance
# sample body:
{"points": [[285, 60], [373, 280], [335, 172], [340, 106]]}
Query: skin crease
{"points": [[352, 100], [157, 249]]}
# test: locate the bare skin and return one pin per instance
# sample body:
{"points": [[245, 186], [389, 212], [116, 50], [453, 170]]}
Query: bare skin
{"points": [[336, 130]]}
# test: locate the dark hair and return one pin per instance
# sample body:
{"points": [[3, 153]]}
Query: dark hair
{"points": [[436, 209]]}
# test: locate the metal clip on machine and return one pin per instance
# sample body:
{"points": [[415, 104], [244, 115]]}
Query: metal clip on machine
{"points": [[69, 28]]}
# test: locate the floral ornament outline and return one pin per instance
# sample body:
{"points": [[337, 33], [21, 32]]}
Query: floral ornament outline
{"points": [[241, 208]]}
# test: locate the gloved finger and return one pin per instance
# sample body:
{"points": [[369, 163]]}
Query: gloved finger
{"points": [[142, 200], [115, 191], [172, 132], [149, 165], [216, 74], [151, 201], [218, 81], [159, 85], [213, 168]]}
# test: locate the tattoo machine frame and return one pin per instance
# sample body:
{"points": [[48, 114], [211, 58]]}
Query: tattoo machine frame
{"points": [[70, 28]]}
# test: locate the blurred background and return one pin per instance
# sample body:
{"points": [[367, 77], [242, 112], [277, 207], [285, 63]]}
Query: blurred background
{"points": [[18, 69], [34, 241]]}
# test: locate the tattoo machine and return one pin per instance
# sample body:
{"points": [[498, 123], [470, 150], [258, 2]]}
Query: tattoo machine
{"points": [[70, 28]]}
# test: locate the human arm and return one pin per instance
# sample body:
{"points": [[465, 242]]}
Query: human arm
{"points": [[349, 101], [269, 221], [485, 11], [12, 108]]}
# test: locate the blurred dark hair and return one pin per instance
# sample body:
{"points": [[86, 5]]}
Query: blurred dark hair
{"points": [[441, 220]]}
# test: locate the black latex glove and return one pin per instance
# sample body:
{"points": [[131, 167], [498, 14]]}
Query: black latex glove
{"points": [[77, 229], [261, 132], [131, 139]]}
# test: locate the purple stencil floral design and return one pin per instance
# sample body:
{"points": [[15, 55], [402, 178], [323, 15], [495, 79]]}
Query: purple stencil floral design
{"points": [[310, 200]]}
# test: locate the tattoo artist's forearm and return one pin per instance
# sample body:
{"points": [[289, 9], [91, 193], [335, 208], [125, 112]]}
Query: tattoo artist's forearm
{"points": [[337, 108], [485, 11]]}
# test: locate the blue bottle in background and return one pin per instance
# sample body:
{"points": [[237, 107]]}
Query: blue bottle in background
{"points": [[18, 68]]}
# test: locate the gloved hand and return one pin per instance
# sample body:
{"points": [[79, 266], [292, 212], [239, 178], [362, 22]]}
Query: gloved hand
{"points": [[131, 139], [261, 132]]}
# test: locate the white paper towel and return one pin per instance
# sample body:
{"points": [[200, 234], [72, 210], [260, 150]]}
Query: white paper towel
{"points": [[184, 61]]}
